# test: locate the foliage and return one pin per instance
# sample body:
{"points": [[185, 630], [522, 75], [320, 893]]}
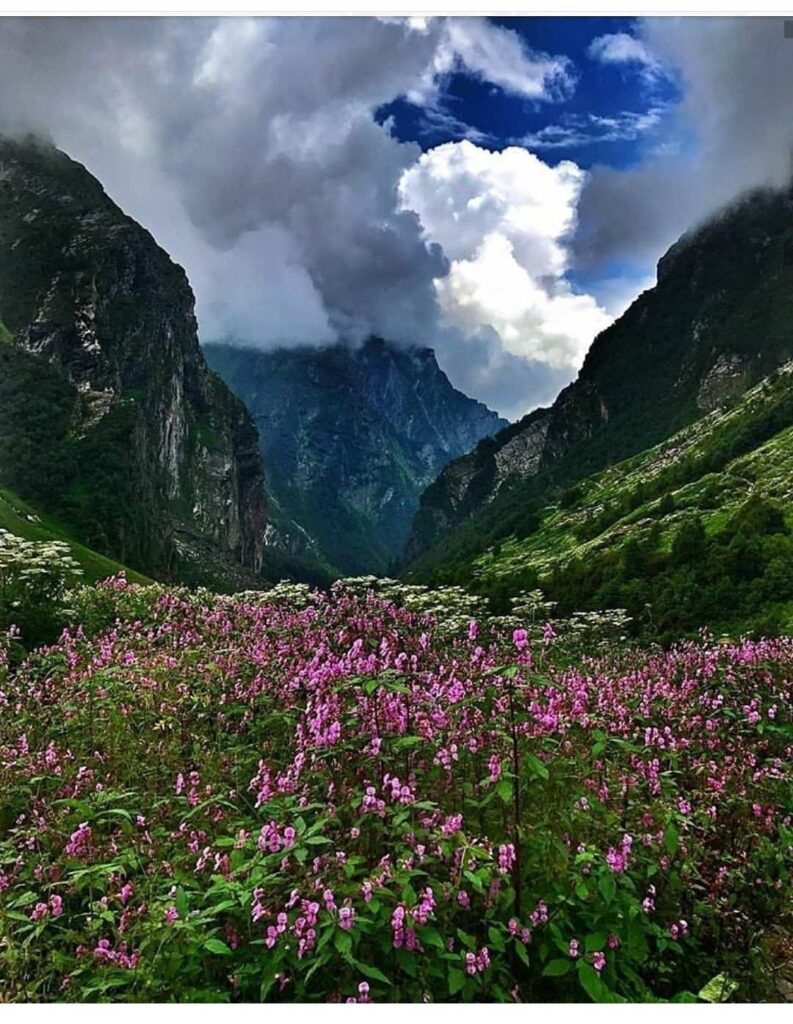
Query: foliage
{"points": [[697, 529], [716, 323], [34, 580], [293, 796]]}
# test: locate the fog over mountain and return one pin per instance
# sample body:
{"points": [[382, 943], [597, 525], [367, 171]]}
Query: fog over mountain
{"points": [[251, 149]]}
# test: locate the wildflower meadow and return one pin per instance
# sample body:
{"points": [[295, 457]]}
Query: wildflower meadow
{"points": [[384, 794]]}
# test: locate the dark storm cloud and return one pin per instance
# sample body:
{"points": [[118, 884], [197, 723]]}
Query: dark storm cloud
{"points": [[248, 147]]}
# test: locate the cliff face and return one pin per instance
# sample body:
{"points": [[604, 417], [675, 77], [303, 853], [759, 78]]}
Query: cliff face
{"points": [[131, 439], [719, 319], [350, 437]]}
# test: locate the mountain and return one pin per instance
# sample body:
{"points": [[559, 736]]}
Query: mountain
{"points": [[350, 437], [719, 319], [19, 518], [110, 420], [695, 531]]}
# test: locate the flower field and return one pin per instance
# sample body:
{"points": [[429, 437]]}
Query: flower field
{"points": [[357, 797]]}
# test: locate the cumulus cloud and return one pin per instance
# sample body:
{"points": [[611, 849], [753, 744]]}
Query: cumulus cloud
{"points": [[732, 131], [249, 147], [504, 221]]}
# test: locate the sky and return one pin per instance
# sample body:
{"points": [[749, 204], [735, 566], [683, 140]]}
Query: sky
{"points": [[497, 188]]}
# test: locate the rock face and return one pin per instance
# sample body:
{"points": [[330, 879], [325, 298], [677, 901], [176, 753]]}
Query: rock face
{"points": [[719, 320], [350, 437], [132, 441]]}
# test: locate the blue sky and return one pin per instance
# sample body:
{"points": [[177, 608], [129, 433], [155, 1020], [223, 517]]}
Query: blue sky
{"points": [[498, 189], [612, 114], [500, 119]]}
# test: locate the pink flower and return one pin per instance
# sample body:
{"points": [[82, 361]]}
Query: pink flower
{"points": [[520, 638], [171, 915], [79, 840], [39, 911], [573, 949], [506, 857], [599, 961]]}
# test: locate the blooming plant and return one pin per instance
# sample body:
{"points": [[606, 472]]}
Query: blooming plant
{"points": [[339, 797]]}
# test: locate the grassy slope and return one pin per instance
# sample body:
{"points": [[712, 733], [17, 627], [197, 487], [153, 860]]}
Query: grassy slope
{"points": [[21, 519], [765, 470]]}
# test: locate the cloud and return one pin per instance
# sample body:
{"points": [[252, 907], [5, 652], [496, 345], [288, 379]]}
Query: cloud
{"points": [[249, 148], [499, 55], [732, 131], [623, 49], [438, 121], [588, 128], [504, 221]]}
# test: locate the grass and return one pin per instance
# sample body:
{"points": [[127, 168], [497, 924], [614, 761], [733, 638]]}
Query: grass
{"points": [[21, 519], [765, 471]]}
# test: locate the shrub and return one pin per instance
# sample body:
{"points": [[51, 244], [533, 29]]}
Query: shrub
{"points": [[35, 577], [310, 797]]}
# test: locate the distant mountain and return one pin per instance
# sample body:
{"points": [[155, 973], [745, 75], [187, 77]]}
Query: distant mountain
{"points": [[719, 319], [110, 420], [350, 437]]}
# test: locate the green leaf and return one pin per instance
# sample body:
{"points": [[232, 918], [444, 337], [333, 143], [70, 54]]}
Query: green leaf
{"points": [[595, 941], [592, 984], [557, 968], [607, 887], [217, 946], [317, 840], [343, 942], [523, 953], [536, 767], [504, 790], [430, 937], [405, 742], [718, 989], [457, 980], [181, 904], [671, 839], [372, 972]]}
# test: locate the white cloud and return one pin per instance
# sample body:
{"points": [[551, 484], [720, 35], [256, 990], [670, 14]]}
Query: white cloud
{"points": [[504, 221], [587, 129], [731, 131], [500, 56], [623, 49]]}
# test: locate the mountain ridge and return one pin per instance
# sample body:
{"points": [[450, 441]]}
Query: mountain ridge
{"points": [[717, 321], [110, 417], [350, 436]]}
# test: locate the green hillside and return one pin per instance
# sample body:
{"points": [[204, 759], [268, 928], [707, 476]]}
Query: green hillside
{"points": [[19, 518], [695, 531]]}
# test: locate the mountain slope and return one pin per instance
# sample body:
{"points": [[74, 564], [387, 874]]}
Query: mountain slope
{"points": [[695, 531], [350, 437], [719, 319], [110, 419], [22, 520]]}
